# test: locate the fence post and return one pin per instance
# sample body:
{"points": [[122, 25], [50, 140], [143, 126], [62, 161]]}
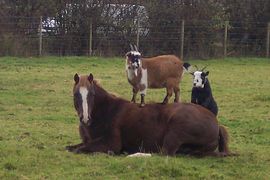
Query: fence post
{"points": [[225, 39], [90, 37], [268, 40], [182, 39], [138, 34], [40, 36]]}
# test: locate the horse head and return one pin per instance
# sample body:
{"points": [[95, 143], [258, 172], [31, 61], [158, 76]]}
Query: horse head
{"points": [[83, 97]]}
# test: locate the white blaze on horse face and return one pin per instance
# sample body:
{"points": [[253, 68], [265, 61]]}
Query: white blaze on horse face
{"points": [[197, 81], [84, 93], [144, 81]]}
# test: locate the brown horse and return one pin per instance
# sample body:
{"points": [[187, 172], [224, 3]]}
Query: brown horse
{"points": [[112, 124]]}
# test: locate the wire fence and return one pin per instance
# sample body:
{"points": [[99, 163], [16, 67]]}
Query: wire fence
{"points": [[36, 36]]}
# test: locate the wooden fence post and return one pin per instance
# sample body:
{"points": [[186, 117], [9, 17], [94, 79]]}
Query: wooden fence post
{"points": [[182, 39], [40, 36], [138, 34], [90, 51], [268, 40], [225, 39]]}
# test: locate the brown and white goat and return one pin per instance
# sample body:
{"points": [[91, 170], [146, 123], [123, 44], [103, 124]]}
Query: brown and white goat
{"points": [[164, 71]]}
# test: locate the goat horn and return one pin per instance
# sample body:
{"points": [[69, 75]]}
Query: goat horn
{"points": [[204, 67], [196, 67], [135, 47], [131, 47]]}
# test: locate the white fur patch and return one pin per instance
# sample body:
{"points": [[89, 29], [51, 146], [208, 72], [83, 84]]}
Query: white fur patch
{"points": [[84, 93], [130, 73], [136, 72], [197, 81], [144, 81], [140, 155], [135, 53]]}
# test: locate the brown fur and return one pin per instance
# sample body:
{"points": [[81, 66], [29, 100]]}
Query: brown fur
{"points": [[163, 72], [119, 126]]}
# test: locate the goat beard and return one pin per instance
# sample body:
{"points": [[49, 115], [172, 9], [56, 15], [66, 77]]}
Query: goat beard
{"points": [[136, 72]]}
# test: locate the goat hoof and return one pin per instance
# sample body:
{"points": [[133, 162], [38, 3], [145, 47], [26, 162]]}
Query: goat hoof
{"points": [[69, 148], [142, 105], [77, 151]]}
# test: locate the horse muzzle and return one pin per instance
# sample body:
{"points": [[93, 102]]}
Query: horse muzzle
{"points": [[87, 121]]}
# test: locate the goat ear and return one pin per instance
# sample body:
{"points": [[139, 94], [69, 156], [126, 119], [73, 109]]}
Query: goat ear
{"points": [[128, 54], [76, 78], [192, 73], [90, 77], [206, 73]]}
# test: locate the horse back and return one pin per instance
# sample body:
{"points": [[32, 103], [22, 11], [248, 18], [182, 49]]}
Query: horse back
{"points": [[195, 124], [146, 127], [142, 127]]}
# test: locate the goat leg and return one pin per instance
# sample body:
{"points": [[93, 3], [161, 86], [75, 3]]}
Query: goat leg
{"points": [[135, 91], [133, 100], [142, 101], [73, 147], [169, 94]]}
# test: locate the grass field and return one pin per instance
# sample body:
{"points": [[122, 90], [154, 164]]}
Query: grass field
{"points": [[37, 121]]}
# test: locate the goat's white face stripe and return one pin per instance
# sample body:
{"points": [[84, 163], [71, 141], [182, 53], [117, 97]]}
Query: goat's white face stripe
{"points": [[129, 71], [84, 93], [198, 79]]}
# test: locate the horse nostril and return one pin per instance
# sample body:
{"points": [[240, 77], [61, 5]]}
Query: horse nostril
{"points": [[88, 123], [81, 117]]}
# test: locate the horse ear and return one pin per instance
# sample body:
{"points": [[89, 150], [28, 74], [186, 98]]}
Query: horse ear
{"points": [[90, 77], [76, 78]]}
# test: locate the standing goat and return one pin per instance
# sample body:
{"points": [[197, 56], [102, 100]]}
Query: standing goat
{"points": [[201, 91], [164, 71]]}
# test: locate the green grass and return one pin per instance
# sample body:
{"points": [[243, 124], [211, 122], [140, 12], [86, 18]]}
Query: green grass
{"points": [[37, 120]]}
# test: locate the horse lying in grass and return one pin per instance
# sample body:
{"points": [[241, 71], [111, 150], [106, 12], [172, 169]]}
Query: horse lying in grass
{"points": [[164, 71], [112, 124]]}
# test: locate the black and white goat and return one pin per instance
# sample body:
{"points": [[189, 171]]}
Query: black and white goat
{"points": [[202, 93]]}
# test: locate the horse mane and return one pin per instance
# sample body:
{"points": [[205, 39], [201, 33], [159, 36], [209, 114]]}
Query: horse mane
{"points": [[106, 93]]}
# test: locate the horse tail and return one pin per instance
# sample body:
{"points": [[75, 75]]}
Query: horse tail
{"points": [[223, 141]]}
